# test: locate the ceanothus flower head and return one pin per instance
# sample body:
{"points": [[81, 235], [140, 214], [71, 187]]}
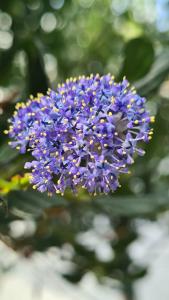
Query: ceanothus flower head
{"points": [[84, 134]]}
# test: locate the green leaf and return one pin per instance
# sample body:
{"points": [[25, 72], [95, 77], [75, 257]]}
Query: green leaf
{"points": [[7, 154], [151, 82], [132, 206], [37, 78], [138, 58], [6, 60], [32, 203]]}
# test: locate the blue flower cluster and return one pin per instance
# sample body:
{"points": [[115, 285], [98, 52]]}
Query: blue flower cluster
{"points": [[84, 134]]}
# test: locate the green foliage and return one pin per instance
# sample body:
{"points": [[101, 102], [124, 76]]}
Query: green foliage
{"points": [[85, 39], [136, 51]]}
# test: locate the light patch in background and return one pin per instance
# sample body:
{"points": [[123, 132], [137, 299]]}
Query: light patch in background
{"points": [[5, 21], [163, 167], [119, 7], [51, 66], [37, 279], [137, 185], [98, 238], [162, 8], [133, 29], [2, 94], [152, 107], [164, 89], [57, 4], [143, 11], [20, 62], [8, 257], [86, 3], [151, 250], [22, 228], [48, 22], [7, 93], [34, 5], [6, 40], [97, 291]]}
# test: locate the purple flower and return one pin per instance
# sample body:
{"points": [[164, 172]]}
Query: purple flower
{"points": [[84, 134]]}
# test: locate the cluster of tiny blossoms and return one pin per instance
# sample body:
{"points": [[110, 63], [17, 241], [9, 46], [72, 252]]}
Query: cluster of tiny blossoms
{"points": [[84, 134]]}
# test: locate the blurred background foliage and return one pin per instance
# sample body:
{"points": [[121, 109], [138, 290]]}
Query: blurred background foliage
{"points": [[41, 44]]}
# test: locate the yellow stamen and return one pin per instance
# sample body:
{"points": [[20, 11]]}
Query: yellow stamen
{"points": [[152, 119]]}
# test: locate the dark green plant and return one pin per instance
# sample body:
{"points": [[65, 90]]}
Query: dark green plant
{"points": [[84, 40]]}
